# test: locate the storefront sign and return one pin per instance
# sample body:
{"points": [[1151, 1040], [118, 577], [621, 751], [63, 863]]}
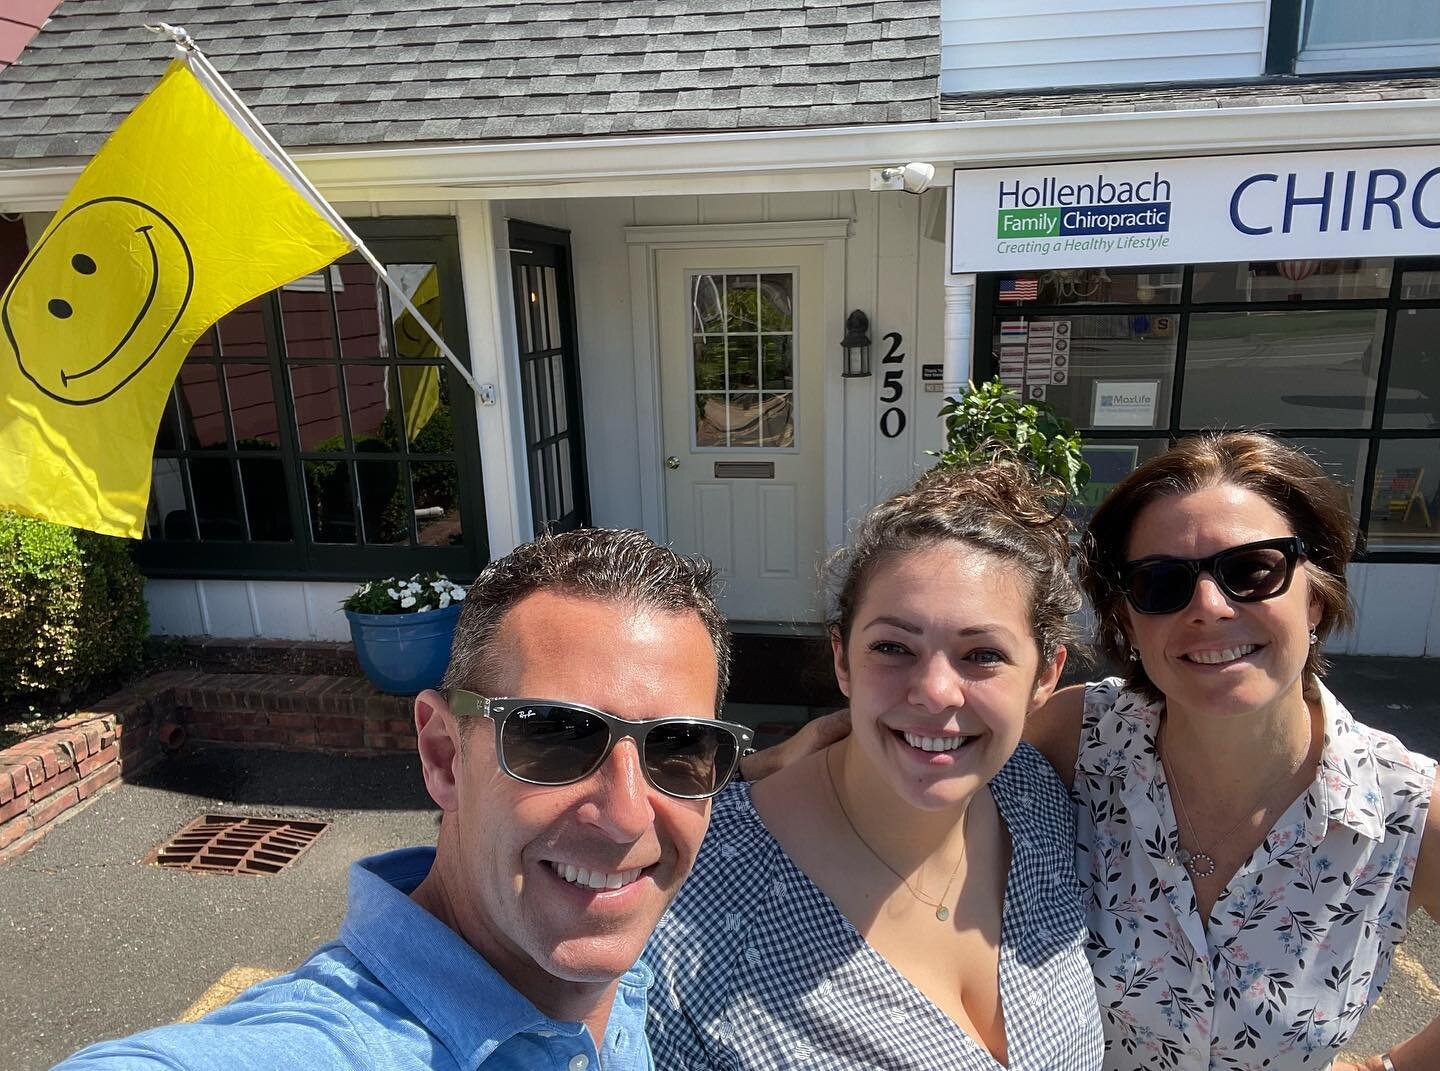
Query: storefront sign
{"points": [[1125, 403], [1374, 202]]}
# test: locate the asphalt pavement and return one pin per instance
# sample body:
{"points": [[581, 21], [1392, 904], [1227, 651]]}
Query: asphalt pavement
{"points": [[95, 944]]}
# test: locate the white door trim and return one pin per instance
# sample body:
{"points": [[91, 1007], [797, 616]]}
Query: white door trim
{"points": [[645, 320]]}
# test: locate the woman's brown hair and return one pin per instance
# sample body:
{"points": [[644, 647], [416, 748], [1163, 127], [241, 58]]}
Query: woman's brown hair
{"points": [[997, 507], [1297, 488]]}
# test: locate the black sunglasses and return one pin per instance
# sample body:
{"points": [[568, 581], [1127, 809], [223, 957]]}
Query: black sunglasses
{"points": [[546, 742], [1251, 572]]}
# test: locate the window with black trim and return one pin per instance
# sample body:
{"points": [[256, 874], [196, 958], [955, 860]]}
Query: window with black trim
{"points": [[318, 432], [1335, 36], [1341, 357]]}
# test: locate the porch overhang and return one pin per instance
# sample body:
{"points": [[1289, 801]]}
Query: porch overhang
{"points": [[828, 158]]}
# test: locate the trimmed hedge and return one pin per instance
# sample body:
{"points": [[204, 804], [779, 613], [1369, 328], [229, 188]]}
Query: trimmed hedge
{"points": [[72, 608]]}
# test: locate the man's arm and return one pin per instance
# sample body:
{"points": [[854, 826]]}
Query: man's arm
{"points": [[812, 737]]}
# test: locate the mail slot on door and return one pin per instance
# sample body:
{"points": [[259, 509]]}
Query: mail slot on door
{"points": [[744, 470]]}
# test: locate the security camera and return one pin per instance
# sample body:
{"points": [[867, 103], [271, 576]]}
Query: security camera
{"points": [[913, 177]]}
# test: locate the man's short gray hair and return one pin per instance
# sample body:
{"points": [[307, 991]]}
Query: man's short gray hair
{"points": [[606, 564]]}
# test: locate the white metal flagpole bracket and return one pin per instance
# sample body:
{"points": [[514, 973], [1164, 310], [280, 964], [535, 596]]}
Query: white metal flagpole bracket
{"points": [[205, 71]]}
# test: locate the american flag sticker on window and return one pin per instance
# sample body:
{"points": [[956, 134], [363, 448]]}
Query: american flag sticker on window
{"points": [[1019, 289]]}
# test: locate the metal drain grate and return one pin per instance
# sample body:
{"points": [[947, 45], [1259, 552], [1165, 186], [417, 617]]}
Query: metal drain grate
{"points": [[237, 844]]}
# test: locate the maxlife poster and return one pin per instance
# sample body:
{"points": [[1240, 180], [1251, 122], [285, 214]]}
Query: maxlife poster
{"points": [[1195, 210]]}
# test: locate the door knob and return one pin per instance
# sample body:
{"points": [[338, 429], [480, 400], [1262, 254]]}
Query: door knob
{"points": [[672, 462]]}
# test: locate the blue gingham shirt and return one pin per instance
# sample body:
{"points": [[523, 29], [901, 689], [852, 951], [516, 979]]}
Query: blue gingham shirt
{"points": [[398, 990], [756, 968]]}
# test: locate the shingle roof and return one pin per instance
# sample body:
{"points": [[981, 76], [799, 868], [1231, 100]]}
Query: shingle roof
{"points": [[1121, 100], [349, 72]]}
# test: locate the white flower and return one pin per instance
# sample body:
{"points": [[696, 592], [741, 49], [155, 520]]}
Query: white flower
{"points": [[423, 609], [407, 602], [392, 593], [458, 593], [438, 585], [444, 599]]}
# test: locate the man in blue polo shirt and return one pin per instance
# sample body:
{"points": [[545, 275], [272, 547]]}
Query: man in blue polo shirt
{"points": [[573, 751]]}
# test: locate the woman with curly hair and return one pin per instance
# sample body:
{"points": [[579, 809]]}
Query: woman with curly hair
{"points": [[907, 897]]}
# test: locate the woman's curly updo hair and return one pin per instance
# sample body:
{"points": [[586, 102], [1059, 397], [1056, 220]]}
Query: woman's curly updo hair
{"points": [[1295, 486], [998, 507]]}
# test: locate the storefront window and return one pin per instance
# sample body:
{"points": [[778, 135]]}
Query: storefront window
{"points": [[1404, 502], [310, 433], [1098, 371], [1282, 369], [1293, 280], [1299, 348]]}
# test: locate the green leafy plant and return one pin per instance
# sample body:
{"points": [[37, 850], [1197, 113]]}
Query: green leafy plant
{"points": [[990, 420], [72, 608], [421, 593]]}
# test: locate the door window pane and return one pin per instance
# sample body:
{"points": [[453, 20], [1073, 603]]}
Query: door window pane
{"points": [[777, 419], [1096, 370], [1412, 394], [1293, 280], [777, 311], [740, 302], [1282, 369], [709, 363], [1403, 505], [557, 393], [777, 372], [743, 345]]}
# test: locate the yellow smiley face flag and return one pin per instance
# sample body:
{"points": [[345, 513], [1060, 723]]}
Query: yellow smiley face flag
{"points": [[181, 217]]}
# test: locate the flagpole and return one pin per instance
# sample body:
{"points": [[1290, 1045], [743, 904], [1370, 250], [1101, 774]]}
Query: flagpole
{"points": [[203, 69]]}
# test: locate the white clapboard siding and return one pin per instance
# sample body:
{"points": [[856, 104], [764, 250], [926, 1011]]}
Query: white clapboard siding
{"points": [[1040, 44]]}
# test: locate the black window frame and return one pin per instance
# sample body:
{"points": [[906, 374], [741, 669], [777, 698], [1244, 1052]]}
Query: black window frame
{"points": [[987, 366], [1282, 46], [393, 240]]}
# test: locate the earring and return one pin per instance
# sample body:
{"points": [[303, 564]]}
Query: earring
{"points": [[1314, 639]]}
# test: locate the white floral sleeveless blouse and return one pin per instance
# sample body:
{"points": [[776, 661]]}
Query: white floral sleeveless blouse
{"points": [[1299, 943]]}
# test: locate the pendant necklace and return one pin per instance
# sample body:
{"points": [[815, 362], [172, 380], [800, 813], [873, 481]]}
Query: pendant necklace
{"points": [[942, 912], [1199, 862]]}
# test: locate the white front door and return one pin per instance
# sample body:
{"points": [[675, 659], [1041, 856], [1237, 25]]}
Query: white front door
{"points": [[742, 382]]}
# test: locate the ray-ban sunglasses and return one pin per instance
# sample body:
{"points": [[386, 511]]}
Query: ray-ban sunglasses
{"points": [[548, 742], [1251, 572]]}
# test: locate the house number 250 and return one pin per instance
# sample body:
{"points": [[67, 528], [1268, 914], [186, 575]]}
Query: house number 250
{"points": [[892, 389]]}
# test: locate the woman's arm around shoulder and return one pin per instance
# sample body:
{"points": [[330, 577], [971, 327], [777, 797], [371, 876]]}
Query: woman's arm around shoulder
{"points": [[1054, 730]]}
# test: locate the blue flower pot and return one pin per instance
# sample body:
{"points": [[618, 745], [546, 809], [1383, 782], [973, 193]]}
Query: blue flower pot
{"points": [[404, 653]]}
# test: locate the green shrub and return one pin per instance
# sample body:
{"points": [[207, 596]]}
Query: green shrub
{"points": [[72, 608], [991, 420]]}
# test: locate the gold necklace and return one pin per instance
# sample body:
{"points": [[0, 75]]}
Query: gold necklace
{"points": [[1201, 863], [941, 911]]}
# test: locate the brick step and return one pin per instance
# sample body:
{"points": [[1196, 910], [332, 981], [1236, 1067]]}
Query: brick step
{"points": [[320, 713]]}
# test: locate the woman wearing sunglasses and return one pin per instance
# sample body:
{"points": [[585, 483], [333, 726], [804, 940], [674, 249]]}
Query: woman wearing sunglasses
{"points": [[907, 897], [1247, 852]]}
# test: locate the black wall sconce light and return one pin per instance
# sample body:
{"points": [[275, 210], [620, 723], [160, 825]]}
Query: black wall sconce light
{"points": [[856, 345]]}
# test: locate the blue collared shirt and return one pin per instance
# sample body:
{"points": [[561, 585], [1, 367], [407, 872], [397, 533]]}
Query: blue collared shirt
{"points": [[397, 990]]}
